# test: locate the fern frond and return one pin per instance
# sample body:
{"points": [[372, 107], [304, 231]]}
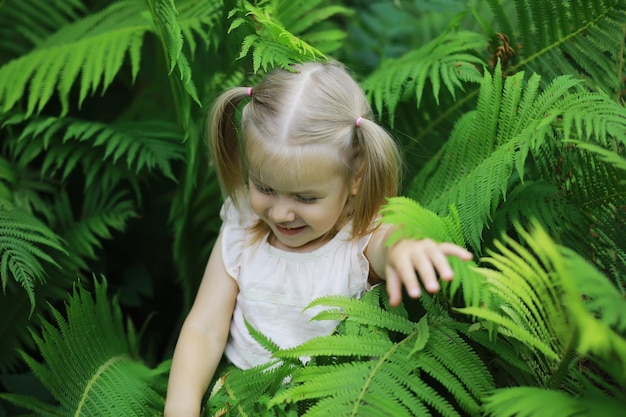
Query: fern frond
{"points": [[391, 378], [607, 156], [449, 60], [309, 21], [24, 245], [93, 47], [87, 378], [468, 148], [164, 15], [588, 177], [510, 360], [25, 25], [361, 313], [263, 340], [537, 402], [273, 44], [479, 159], [602, 312], [569, 37], [67, 142], [103, 211], [339, 345], [539, 291], [199, 19], [247, 392], [548, 205]]}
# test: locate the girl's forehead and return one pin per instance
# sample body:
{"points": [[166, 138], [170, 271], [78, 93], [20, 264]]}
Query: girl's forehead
{"points": [[297, 171]]}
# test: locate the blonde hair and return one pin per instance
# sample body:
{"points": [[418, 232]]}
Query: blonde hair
{"points": [[311, 110]]}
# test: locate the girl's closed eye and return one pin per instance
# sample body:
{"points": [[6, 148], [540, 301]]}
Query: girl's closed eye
{"points": [[262, 189], [306, 199]]}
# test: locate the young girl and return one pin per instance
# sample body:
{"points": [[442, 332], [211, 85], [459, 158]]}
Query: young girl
{"points": [[304, 183]]}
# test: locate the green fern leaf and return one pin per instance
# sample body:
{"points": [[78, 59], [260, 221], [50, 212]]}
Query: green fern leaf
{"points": [[87, 378], [302, 15], [199, 19], [273, 44], [608, 156], [361, 313], [24, 25], [420, 222], [341, 345], [448, 59], [145, 145], [537, 402], [310, 21], [483, 150], [569, 37], [390, 382], [540, 303], [263, 340], [94, 46], [103, 211], [247, 392], [24, 245], [164, 14]]}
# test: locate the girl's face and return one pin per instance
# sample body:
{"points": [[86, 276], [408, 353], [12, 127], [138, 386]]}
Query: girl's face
{"points": [[300, 210]]}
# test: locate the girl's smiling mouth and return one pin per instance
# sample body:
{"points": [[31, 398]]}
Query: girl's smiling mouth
{"points": [[289, 231]]}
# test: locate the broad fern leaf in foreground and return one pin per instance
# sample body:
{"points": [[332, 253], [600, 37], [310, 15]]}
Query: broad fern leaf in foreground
{"points": [[374, 374], [567, 313], [90, 364]]}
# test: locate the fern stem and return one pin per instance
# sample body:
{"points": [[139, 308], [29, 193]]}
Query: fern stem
{"points": [[374, 371], [562, 370], [101, 369], [620, 66], [176, 96]]}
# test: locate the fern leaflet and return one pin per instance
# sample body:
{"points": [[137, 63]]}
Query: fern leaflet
{"points": [[24, 245]]}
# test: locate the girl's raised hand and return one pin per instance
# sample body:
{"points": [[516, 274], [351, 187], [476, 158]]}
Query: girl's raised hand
{"points": [[410, 261]]}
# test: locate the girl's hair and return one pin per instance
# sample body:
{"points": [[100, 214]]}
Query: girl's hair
{"points": [[311, 111]]}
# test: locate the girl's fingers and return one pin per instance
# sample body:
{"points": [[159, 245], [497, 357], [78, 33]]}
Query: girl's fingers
{"points": [[426, 268], [408, 277], [425, 261], [394, 287], [455, 250]]}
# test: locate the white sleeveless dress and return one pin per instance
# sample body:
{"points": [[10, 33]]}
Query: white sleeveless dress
{"points": [[275, 286]]}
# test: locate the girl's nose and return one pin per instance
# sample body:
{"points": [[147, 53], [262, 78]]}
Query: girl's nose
{"points": [[281, 212]]}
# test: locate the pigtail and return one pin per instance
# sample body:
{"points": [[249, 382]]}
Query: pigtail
{"points": [[379, 171], [224, 141]]}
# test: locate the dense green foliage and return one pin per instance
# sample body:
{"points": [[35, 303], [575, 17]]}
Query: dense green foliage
{"points": [[512, 122]]}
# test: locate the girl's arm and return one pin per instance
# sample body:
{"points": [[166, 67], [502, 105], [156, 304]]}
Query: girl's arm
{"points": [[406, 260], [202, 339]]}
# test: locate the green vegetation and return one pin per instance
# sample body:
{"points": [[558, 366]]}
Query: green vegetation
{"points": [[512, 121]]}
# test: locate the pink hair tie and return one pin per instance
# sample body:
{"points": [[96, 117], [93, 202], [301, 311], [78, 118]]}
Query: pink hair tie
{"points": [[358, 121], [249, 91]]}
